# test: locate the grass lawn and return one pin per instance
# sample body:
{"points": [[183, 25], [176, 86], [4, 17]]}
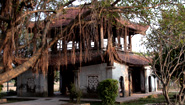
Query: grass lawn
{"points": [[150, 99]]}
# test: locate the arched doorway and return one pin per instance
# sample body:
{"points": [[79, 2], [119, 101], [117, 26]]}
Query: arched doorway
{"points": [[150, 84], [121, 83]]}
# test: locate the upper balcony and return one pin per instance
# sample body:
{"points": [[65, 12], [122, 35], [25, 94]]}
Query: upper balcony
{"points": [[89, 37], [91, 32]]}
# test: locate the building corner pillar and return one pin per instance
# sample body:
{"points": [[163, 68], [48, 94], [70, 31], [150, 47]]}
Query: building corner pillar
{"points": [[76, 78], [109, 71]]}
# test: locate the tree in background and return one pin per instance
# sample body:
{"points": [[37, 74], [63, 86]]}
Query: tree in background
{"points": [[166, 46], [26, 50]]}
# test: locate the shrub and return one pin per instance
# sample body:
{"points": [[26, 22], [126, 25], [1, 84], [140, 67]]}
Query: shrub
{"points": [[1, 87], [75, 93], [11, 93], [108, 91], [1, 94]]}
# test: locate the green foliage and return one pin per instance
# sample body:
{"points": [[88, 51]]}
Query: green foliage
{"points": [[166, 45], [75, 93], [11, 93], [171, 30], [172, 58], [108, 91], [1, 87], [167, 42], [56, 76], [159, 100]]}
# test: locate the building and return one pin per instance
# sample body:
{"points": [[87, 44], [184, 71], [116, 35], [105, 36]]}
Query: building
{"points": [[85, 61]]}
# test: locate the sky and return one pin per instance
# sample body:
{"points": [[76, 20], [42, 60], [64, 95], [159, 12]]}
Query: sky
{"points": [[137, 43]]}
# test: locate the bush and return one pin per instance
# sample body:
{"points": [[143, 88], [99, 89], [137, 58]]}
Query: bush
{"points": [[108, 91], [75, 93], [1, 88], [11, 93]]}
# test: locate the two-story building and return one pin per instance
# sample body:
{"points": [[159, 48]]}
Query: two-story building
{"points": [[86, 58]]}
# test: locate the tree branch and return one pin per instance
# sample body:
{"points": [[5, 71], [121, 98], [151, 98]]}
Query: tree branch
{"points": [[71, 1], [113, 4], [31, 12], [6, 76], [4, 19]]}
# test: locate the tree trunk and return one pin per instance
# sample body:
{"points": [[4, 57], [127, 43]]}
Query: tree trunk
{"points": [[6, 76], [181, 102], [165, 93], [101, 34], [181, 94]]}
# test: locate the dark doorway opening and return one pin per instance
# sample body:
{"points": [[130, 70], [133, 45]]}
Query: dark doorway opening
{"points": [[121, 82], [150, 84], [66, 78], [136, 80], [50, 81], [59, 81]]}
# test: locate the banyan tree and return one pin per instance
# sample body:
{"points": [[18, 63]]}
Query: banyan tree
{"points": [[31, 31]]}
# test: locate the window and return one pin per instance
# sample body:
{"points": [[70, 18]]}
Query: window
{"points": [[93, 82]]}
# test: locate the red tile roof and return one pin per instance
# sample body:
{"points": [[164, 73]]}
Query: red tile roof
{"points": [[64, 19], [70, 13], [140, 29], [94, 56], [132, 59]]}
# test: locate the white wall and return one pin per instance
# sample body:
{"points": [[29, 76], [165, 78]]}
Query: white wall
{"points": [[147, 74], [153, 80], [38, 82], [93, 70], [104, 72], [121, 70], [153, 83]]}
